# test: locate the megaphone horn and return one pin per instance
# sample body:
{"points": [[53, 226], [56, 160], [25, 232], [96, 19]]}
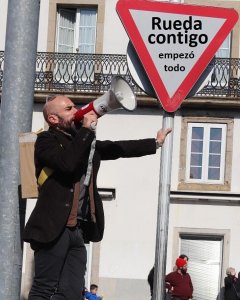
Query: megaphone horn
{"points": [[120, 95]]}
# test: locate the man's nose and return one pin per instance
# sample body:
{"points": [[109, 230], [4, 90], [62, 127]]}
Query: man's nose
{"points": [[74, 110]]}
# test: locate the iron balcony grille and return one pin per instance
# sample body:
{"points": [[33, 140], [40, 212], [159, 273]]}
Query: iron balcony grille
{"points": [[87, 73]]}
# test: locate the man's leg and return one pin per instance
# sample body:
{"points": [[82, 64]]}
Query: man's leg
{"points": [[49, 262], [60, 269], [72, 282]]}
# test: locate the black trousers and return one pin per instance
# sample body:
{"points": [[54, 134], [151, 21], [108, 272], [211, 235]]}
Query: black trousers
{"points": [[60, 268]]}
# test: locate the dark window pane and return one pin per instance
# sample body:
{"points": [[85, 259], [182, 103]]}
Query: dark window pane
{"points": [[213, 173], [197, 146], [195, 172], [216, 134], [215, 147], [197, 133], [214, 160], [196, 160]]}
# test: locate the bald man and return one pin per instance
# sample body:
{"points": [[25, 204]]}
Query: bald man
{"points": [[69, 210]]}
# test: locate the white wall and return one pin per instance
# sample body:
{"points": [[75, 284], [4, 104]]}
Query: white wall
{"points": [[115, 39], [235, 187], [43, 26], [128, 247], [127, 250], [206, 217]]}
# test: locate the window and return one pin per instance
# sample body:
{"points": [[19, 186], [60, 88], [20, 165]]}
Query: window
{"points": [[224, 50], [76, 33], [76, 30], [206, 145], [221, 72], [205, 263]]}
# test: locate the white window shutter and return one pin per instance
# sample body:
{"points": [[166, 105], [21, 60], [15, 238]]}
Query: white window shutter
{"points": [[204, 265], [66, 30], [87, 30]]}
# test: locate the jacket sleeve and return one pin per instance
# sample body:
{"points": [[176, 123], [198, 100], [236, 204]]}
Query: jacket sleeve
{"points": [[87, 294], [168, 280], [191, 285], [110, 150], [66, 160]]}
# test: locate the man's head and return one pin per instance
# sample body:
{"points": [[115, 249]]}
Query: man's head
{"points": [[59, 112], [181, 265], [183, 256], [231, 271], [93, 288]]}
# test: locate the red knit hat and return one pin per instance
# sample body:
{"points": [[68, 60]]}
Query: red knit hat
{"points": [[180, 262]]}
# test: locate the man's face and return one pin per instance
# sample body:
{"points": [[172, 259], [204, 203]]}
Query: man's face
{"points": [[184, 269], [94, 291], [61, 111]]}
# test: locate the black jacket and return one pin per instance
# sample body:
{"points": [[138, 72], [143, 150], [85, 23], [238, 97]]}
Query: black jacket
{"points": [[68, 157], [231, 288]]}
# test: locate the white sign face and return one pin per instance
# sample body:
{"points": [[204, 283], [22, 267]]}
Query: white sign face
{"points": [[175, 51], [174, 42]]}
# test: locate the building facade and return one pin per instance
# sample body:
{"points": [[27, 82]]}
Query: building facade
{"points": [[204, 220]]}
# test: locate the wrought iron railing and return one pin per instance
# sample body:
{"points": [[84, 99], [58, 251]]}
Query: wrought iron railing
{"points": [[76, 73]]}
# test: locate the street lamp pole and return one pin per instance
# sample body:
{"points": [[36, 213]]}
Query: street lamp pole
{"points": [[163, 211], [16, 116]]}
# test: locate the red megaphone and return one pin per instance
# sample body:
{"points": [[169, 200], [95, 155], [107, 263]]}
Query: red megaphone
{"points": [[120, 95]]}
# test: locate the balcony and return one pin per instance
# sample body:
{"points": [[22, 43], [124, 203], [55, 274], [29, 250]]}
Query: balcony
{"points": [[92, 73]]}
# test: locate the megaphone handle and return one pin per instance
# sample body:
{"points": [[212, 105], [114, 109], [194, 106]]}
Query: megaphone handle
{"points": [[93, 126]]}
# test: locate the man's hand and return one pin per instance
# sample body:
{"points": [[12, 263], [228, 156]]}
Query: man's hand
{"points": [[89, 120], [161, 135]]}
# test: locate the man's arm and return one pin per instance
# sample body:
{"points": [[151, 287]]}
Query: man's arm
{"points": [[87, 294], [168, 282], [110, 150], [131, 148], [191, 285]]}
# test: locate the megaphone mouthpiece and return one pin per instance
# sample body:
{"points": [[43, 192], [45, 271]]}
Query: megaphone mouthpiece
{"points": [[82, 111]]}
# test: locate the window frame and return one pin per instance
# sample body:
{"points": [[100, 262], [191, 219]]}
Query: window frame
{"points": [[76, 28], [205, 151], [205, 238]]}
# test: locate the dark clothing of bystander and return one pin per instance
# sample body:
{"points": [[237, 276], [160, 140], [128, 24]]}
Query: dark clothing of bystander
{"points": [[91, 296], [150, 280], [231, 288], [180, 285]]}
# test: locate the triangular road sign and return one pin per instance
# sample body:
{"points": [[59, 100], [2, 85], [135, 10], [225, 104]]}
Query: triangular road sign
{"points": [[175, 42]]}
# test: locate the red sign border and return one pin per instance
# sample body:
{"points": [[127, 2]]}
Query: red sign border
{"points": [[171, 104]]}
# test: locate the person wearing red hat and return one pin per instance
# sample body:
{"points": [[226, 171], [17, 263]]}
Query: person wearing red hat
{"points": [[179, 283]]}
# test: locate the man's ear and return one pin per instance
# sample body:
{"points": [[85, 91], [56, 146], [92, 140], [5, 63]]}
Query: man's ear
{"points": [[53, 119]]}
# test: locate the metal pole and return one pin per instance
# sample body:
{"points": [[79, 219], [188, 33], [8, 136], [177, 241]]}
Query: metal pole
{"points": [[163, 211], [16, 117]]}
